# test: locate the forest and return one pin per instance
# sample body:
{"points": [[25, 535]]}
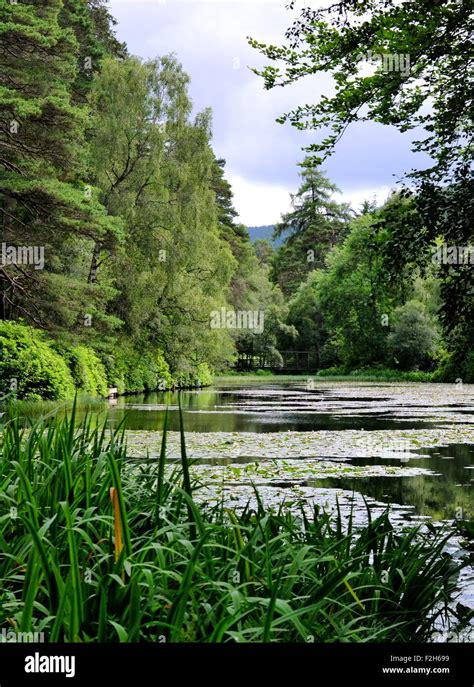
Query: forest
{"points": [[163, 478], [111, 188]]}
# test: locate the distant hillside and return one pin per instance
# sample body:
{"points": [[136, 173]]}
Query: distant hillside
{"points": [[263, 232]]}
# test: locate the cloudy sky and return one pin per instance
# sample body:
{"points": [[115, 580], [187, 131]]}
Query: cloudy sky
{"points": [[210, 39]]}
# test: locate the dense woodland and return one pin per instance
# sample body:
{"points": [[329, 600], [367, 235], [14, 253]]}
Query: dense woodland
{"points": [[109, 171], [105, 166]]}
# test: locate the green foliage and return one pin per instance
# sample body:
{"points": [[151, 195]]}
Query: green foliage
{"points": [[132, 371], [193, 376], [338, 38], [420, 58], [93, 29], [110, 175], [376, 374], [30, 366], [204, 374], [349, 301], [354, 315], [176, 263], [452, 368], [316, 224], [412, 337], [87, 370], [43, 170], [260, 575]]}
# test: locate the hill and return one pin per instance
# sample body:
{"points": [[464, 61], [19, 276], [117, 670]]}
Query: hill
{"points": [[263, 232]]}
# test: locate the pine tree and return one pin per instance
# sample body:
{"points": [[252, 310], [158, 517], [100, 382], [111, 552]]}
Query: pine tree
{"points": [[45, 201], [93, 29], [315, 224]]}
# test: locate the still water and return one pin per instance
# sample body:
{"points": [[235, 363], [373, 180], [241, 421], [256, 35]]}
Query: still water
{"points": [[306, 405]]}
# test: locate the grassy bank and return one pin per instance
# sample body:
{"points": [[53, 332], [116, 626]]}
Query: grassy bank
{"points": [[376, 375], [97, 548]]}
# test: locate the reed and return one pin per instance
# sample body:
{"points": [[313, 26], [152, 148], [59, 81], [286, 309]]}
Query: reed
{"points": [[95, 547]]}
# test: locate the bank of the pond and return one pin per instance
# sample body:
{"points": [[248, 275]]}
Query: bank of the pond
{"points": [[337, 375], [97, 548], [36, 366]]}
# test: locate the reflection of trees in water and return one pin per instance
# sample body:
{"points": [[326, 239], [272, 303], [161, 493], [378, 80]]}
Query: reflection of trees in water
{"points": [[437, 496]]}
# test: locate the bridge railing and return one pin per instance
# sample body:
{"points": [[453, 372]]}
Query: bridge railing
{"points": [[297, 361]]}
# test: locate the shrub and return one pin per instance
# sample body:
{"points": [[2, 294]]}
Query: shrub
{"points": [[204, 374], [333, 371], [189, 376], [115, 371], [87, 370], [468, 368], [132, 371], [183, 379], [29, 359], [451, 369], [160, 371], [411, 341]]}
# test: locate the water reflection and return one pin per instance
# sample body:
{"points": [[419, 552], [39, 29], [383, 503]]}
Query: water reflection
{"points": [[263, 408], [447, 495], [270, 406]]}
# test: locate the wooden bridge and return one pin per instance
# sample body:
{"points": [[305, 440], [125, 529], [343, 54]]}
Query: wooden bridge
{"points": [[285, 362]]}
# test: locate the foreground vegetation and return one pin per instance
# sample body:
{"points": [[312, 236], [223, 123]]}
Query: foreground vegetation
{"points": [[96, 547]]}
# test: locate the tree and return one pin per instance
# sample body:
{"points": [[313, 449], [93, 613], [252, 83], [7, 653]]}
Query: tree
{"points": [[348, 304], [422, 49], [224, 198], [45, 200], [412, 337], [93, 27], [155, 169], [250, 288], [264, 251], [305, 315], [315, 224]]}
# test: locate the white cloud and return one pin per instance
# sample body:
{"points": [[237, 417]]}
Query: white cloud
{"points": [[210, 39], [357, 197], [259, 203]]}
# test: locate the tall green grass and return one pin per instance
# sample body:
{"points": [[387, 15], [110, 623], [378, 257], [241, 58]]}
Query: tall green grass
{"points": [[184, 572]]}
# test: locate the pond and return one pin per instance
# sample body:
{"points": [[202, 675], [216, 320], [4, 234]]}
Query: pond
{"points": [[396, 413], [304, 441]]}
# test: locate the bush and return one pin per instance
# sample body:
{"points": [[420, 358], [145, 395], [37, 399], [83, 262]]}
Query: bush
{"points": [[190, 377], [411, 341], [451, 369], [159, 376], [183, 379], [333, 371], [204, 374], [88, 371], [115, 371], [377, 374], [133, 372], [29, 362]]}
